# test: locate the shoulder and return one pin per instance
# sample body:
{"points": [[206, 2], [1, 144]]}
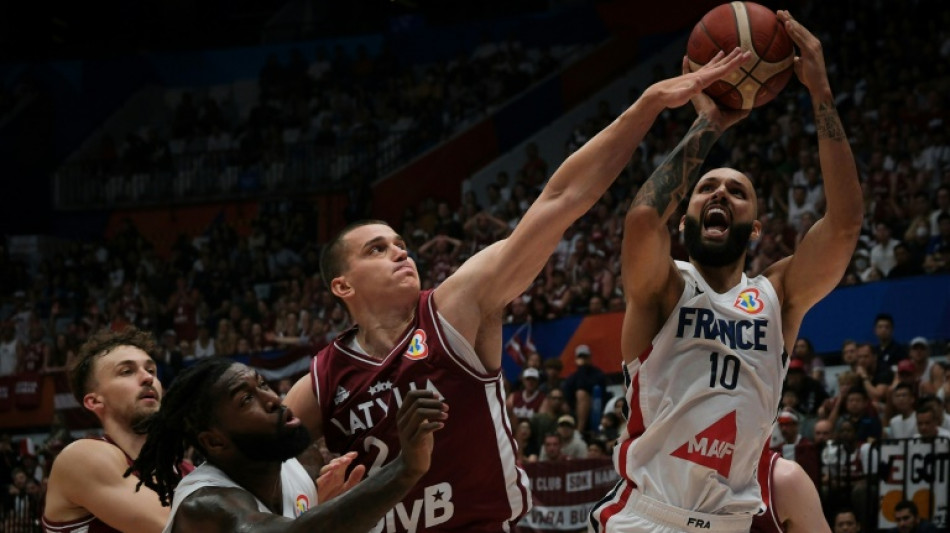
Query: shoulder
{"points": [[90, 455]]}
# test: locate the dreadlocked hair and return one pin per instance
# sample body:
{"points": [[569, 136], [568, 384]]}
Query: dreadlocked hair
{"points": [[187, 409]]}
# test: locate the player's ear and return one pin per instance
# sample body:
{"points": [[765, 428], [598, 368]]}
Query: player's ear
{"points": [[92, 402], [212, 441], [340, 287], [756, 231]]}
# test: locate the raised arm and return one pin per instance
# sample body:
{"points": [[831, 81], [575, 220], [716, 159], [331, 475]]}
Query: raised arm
{"points": [[498, 274], [647, 267], [824, 253]]}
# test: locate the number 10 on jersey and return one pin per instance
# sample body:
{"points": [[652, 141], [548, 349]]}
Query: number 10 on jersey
{"points": [[724, 370]]}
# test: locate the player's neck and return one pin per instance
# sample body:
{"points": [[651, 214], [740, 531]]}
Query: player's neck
{"points": [[721, 279], [379, 332], [262, 479], [123, 436]]}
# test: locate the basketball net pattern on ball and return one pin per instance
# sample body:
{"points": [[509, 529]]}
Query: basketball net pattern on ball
{"points": [[748, 80]]}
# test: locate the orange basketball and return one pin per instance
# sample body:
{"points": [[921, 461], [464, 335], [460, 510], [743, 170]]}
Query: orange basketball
{"points": [[752, 27]]}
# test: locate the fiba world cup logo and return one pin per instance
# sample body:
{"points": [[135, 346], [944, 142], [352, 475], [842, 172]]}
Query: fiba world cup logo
{"points": [[417, 349]]}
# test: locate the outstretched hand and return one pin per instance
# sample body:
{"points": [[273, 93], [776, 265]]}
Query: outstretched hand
{"points": [[675, 92], [810, 65], [419, 416], [705, 105], [333, 480]]}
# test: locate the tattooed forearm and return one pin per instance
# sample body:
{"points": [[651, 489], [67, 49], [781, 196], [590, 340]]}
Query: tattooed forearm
{"points": [[828, 123], [671, 181]]}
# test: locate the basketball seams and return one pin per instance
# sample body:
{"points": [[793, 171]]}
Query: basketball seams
{"points": [[754, 28]]}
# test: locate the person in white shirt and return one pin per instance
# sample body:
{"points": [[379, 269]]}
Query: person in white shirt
{"points": [[882, 253], [927, 427], [903, 425]]}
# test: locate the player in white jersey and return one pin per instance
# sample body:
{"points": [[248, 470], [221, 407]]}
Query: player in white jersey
{"points": [[704, 347]]}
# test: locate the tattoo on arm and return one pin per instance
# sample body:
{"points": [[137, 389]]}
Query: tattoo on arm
{"points": [[828, 123], [672, 180]]}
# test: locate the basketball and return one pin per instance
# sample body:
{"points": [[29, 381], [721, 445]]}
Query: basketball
{"points": [[752, 27]]}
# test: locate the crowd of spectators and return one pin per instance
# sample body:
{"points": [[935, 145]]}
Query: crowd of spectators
{"points": [[317, 120], [229, 292]]}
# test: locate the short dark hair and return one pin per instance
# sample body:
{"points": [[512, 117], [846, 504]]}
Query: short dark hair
{"points": [[858, 389], [845, 510], [332, 258], [101, 343], [884, 316], [906, 505], [908, 387]]}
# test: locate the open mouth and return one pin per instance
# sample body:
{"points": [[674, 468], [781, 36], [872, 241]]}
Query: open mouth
{"points": [[288, 420], [716, 221]]}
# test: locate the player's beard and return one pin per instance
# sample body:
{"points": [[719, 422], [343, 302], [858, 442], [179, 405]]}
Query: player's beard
{"points": [[141, 421], [279, 446], [719, 254]]}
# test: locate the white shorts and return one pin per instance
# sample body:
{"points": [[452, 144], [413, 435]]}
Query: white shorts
{"points": [[626, 510]]}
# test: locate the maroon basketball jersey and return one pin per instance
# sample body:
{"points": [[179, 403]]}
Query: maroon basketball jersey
{"points": [[90, 523], [86, 524], [473, 484], [767, 522], [525, 405]]}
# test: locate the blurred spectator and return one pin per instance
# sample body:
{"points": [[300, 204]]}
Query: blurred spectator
{"points": [[858, 412], [551, 450], [810, 392], [814, 366], [942, 208], [527, 449], [823, 433], [937, 259], [875, 376], [845, 521], [526, 402], [888, 351], [903, 424], [908, 519], [904, 264], [35, 353], [204, 344], [598, 449], [928, 426], [570, 445], [10, 349], [929, 374], [579, 388], [882, 252], [552, 381]]}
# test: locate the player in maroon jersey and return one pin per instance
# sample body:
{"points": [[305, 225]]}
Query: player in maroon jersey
{"points": [[114, 377], [449, 339]]}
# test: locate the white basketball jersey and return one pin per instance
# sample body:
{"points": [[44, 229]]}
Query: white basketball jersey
{"points": [[704, 397], [299, 490]]}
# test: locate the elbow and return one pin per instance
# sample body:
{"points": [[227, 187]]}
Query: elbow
{"points": [[641, 216]]}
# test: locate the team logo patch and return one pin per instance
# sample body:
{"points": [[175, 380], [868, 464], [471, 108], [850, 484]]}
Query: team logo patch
{"points": [[713, 446], [750, 302], [302, 505], [418, 349]]}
